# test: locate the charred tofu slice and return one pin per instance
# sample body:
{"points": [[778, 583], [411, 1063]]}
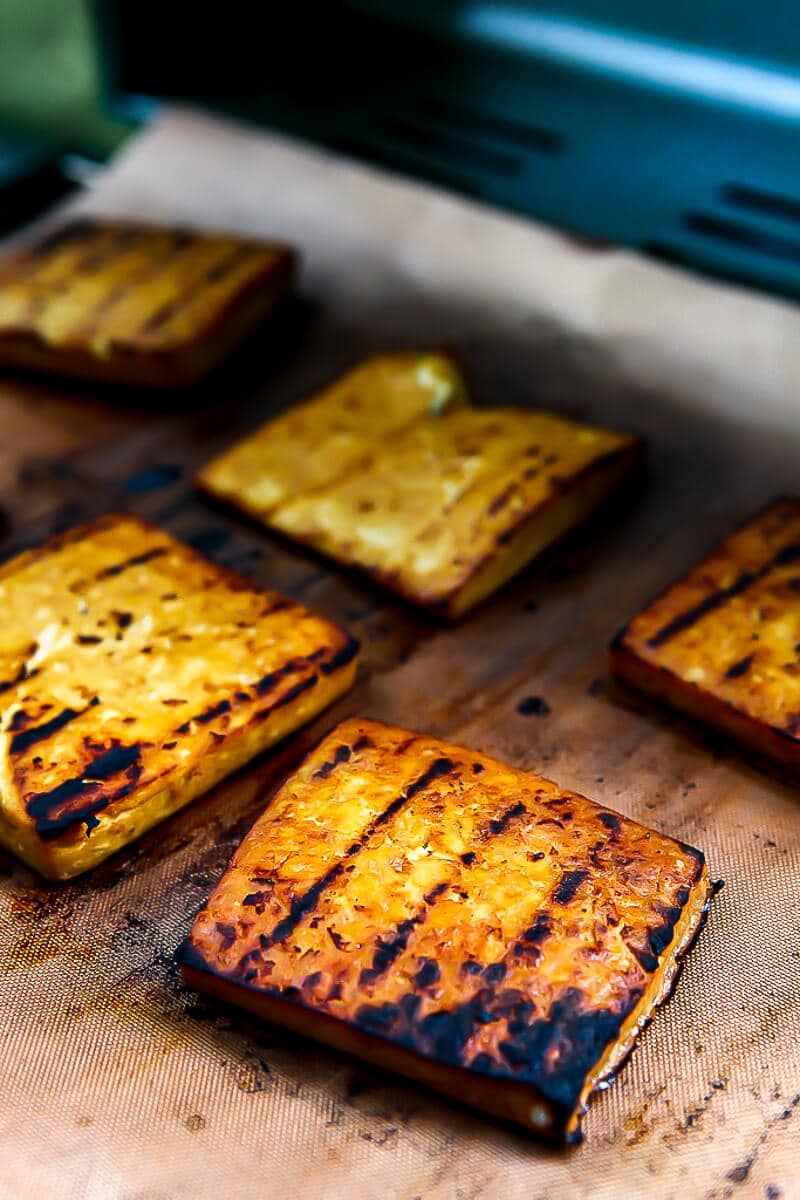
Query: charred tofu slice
{"points": [[453, 919], [392, 472], [723, 644], [134, 675], [135, 304]]}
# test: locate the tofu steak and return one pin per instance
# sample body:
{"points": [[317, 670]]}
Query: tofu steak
{"points": [[134, 675], [451, 918]]}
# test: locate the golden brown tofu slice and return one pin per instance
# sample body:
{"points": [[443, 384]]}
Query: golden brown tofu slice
{"points": [[723, 643], [313, 445], [134, 675], [136, 304], [392, 472], [449, 917]]}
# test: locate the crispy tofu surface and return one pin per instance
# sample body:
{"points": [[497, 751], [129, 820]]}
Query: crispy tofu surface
{"points": [[452, 918], [135, 304], [135, 674], [723, 643], [392, 472]]}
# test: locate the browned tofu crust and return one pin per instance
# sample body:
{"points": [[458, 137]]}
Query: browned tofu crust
{"points": [[391, 471], [723, 643], [134, 674], [136, 304], [451, 917]]}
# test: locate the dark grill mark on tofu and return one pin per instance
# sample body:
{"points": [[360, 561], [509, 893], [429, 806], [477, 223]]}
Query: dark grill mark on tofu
{"points": [[52, 811], [388, 949], [341, 658], [302, 905], [292, 694], [268, 682], [499, 824], [241, 254], [740, 668], [22, 674], [205, 717], [38, 733], [785, 557], [136, 560], [342, 755], [500, 501], [571, 881]]}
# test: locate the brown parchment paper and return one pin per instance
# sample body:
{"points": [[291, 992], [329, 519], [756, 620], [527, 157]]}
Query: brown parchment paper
{"points": [[116, 1083]]}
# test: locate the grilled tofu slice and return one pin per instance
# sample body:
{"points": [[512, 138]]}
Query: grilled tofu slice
{"points": [[392, 472], [723, 643], [135, 304], [134, 675], [448, 917]]}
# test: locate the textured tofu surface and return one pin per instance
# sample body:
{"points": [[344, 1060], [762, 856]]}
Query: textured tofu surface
{"points": [[134, 674], [448, 916], [723, 643], [391, 471], [133, 303]]}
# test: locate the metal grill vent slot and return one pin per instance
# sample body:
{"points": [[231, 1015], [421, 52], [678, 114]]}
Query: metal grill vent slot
{"points": [[453, 149], [743, 236], [742, 195], [398, 160], [507, 131]]}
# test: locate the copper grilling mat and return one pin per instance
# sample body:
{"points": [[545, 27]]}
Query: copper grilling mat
{"points": [[118, 1083]]}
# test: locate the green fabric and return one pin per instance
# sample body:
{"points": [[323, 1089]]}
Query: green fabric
{"points": [[49, 76]]}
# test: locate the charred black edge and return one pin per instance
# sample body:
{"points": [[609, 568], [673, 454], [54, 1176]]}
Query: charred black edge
{"points": [[679, 961], [189, 956], [619, 641], [194, 966]]}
